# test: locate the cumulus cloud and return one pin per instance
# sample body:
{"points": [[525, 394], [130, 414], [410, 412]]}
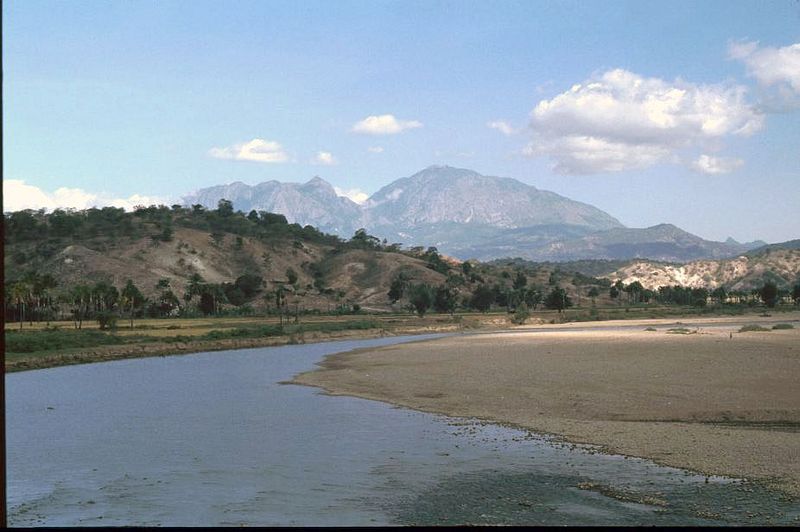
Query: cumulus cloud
{"points": [[324, 158], [354, 194], [257, 150], [18, 195], [622, 121], [375, 149], [503, 127], [774, 68], [707, 164], [770, 66], [384, 125]]}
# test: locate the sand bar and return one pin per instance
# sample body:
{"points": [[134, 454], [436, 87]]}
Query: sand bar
{"points": [[715, 401]]}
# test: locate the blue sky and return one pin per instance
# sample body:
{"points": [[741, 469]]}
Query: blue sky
{"points": [[680, 112]]}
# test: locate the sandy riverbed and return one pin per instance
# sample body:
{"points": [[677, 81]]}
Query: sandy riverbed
{"points": [[703, 401]]}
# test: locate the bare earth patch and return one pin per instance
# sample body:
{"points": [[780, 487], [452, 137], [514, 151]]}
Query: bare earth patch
{"points": [[717, 401]]}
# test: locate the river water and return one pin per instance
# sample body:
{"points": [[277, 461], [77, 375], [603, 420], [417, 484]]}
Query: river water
{"points": [[214, 439]]}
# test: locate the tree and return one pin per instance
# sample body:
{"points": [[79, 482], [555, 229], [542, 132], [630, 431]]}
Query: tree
{"points": [[291, 275], [769, 294], [558, 300], [397, 288], [533, 297], [225, 208], [131, 298], [364, 240], [720, 294], [421, 298], [521, 314], [796, 294], [520, 280], [445, 299], [593, 293], [482, 298]]}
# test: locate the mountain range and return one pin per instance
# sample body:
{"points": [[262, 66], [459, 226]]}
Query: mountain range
{"points": [[468, 215]]}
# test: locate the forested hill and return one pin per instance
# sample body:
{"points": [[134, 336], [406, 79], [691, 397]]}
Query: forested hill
{"points": [[179, 261]]}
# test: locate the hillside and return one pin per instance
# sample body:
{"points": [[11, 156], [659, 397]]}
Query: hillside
{"points": [[743, 273], [159, 244]]}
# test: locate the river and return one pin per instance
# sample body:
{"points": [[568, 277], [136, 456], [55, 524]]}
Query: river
{"points": [[215, 439]]}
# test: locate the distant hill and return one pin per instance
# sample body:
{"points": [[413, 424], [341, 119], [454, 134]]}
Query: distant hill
{"points": [[468, 215], [789, 244], [748, 271]]}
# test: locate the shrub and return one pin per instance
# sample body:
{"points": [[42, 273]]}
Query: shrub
{"points": [[521, 314], [107, 320], [780, 326], [753, 328]]}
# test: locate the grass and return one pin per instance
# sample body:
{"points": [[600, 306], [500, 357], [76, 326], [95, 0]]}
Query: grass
{"points": [[53, 339], [680, 330], [781, 326], [753, 328]]}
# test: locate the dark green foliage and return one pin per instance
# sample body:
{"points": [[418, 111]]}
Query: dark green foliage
{"points": [[225, 208], [445, 299], [421, 298], [557, 299], [482, 298], [769, 294], [521, 314], [397, 287], [796, 294], [520, 280], [434, 260], [291, 275], [362, 240], [107, 320], [593, 292], [52, 339]]}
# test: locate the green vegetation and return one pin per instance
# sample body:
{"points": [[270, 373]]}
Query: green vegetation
{"points": [[680, 330], [51, 339], [753, 328], [782, 326]]}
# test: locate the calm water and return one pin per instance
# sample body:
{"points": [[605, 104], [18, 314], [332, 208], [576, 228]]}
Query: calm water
{"points": [[213, 439]]}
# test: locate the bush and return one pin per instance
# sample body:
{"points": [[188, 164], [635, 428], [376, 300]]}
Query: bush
{"points": [[753, 328], [521, 314], [107, 320], [781, 326]]}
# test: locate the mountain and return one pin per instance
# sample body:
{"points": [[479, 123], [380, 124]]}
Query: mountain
{"points": [[469, 215], [442, 194], [312, 203]]}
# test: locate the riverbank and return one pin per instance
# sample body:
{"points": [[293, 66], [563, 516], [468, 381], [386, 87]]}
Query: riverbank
{"points": [[30, 361], [707, 398]]}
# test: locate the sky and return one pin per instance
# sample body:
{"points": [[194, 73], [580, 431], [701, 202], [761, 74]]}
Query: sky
{"points": [[681, 112]]}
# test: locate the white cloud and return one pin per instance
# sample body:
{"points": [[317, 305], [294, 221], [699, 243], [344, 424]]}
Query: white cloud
{"points": [[622, 121], [777, 71], [17, 196], [375, 149], [770, 66], [257, 150], [707, 164], [503, 127], [384, 125], [324, 158], [354, 194]]}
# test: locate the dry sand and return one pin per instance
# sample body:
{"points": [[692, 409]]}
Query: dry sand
{"points": [[702, 401]]}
